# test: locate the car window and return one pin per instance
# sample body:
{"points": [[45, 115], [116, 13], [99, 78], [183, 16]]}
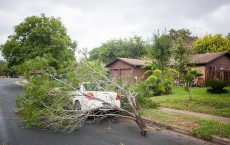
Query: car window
{"points": [[93, 87]]}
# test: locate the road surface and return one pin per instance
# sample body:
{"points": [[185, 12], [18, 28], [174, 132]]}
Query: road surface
{"points": [[12, 132]]}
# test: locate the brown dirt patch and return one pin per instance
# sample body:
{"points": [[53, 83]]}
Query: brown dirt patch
{"points": [[184, 123]]}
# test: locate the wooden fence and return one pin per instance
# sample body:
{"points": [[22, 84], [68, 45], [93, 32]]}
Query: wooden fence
{"points": [[222, 75]]}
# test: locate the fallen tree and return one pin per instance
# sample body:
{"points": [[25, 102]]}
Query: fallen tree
{"points": [[46, 102]]}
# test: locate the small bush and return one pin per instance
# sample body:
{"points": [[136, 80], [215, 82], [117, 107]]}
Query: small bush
{"points": [[146, 103], [216, 87], [144, 90], [156, 86], [213, 91], [143, 98]]}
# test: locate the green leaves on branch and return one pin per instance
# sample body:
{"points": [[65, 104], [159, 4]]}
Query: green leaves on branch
{"points": [[212, 43], [40, 48], [182, 55], [39, 64], [160, 80], [39, 36], [157, 85], [87, 71], [161, 51], [42, 106], [133, 47]]}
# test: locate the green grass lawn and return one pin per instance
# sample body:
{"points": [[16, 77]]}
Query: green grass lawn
{"points": [[202, 102], [203, 127]]}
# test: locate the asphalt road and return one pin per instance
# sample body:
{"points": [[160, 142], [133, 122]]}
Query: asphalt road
{"points": [[12, 132]]}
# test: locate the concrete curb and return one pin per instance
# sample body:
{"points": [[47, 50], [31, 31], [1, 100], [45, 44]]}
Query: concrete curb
{"points": [[215, 139], [220, 140]]}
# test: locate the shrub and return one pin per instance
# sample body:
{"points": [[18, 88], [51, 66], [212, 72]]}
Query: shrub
{"points": [[155, 85], [216, 87], [146, 103], [144, 90], [142, 99]]}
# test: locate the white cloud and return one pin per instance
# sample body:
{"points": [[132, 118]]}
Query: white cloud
{"points": [[218, 21], [92, 22]]}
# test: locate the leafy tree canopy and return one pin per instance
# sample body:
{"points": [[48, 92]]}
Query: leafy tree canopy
{"points": [[133, 47], [39, 36], [185, 34], [161, 51], [212, 43]]}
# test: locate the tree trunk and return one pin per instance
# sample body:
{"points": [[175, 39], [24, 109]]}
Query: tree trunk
{"points": [[189, 95], [132, 103], [141, 124], [138, 118]]}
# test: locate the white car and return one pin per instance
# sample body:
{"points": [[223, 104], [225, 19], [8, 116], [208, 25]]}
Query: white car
{"points": [[90, 98]]}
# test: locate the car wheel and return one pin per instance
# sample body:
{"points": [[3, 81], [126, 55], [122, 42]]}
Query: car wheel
{"points": [[77, 105]]}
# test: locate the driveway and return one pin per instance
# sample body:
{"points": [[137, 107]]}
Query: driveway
{"points": [[12, 131]]}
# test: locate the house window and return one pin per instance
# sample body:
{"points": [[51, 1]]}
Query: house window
{"points": [[212, 68]]}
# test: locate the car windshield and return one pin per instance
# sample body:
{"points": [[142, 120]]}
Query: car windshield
{"points": [[92, 87]]}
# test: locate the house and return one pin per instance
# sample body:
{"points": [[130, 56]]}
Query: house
{"points": [[127, 68], [212, 66]]}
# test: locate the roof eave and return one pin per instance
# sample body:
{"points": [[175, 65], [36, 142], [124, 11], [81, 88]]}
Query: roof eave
{"points": [[107, 65], [224, 53]]}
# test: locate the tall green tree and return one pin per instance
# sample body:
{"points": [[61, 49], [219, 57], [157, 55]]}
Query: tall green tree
{"points": [[212, 43], [182, 53], [41, 43], [159, 81], [133, 47], [39, 36], [162, 51]]}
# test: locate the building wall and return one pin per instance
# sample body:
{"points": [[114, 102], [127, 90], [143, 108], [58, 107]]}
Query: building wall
{"points": [[213, 69], [120, 65], [138, 72], [216, 73], [200, 81], [222, 62], [126, 71], [201, 69]]}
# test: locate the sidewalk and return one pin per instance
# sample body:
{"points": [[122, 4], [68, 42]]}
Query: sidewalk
{"points": [[201, 115]]}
